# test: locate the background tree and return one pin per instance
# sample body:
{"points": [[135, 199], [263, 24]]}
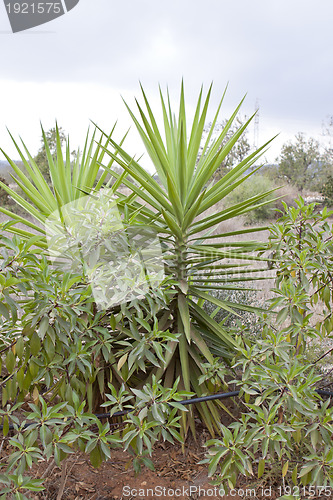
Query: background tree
{"points": [[301, 163], [326, 171], [41, 157]]}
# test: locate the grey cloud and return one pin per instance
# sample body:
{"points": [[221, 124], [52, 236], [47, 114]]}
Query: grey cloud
{"points": [[278, 51]]}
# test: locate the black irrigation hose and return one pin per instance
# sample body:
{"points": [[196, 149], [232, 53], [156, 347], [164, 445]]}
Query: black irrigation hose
{"points": [[192, 401], [321, 392], [211, 397]]}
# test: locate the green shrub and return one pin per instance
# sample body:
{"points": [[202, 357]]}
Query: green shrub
{"points": [[286, 426], [255, 185], [62, 360], [285, 421]]}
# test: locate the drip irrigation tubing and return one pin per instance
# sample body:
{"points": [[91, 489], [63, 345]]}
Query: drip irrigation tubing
{"points": [[211, 397], [203, 399]]}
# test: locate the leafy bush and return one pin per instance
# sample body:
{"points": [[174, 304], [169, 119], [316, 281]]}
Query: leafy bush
{"points": [[62, 360], [285, 423]]}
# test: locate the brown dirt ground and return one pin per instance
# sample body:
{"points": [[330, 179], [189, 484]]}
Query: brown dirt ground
{"points": [[116, 480], [174, 470]]}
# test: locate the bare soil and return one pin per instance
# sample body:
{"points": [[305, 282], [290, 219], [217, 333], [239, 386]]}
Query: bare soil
{"points": [[177, 474]]}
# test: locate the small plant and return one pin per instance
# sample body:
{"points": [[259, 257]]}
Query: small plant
{"points": [[55, 431], [16, 484]]}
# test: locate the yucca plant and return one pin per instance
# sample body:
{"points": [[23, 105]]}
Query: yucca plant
{"points": [[69, 181], [176, 206]]}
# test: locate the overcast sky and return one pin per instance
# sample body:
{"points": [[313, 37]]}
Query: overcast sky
{"points": [[75, 68]]}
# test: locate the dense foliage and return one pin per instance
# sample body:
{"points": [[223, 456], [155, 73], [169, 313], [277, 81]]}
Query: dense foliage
{"points": [[61, 360], [285, 425], [179, 208]]}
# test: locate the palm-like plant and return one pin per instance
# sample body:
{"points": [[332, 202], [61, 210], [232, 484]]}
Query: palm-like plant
{"points": [[176, 206], [69, 181]]}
